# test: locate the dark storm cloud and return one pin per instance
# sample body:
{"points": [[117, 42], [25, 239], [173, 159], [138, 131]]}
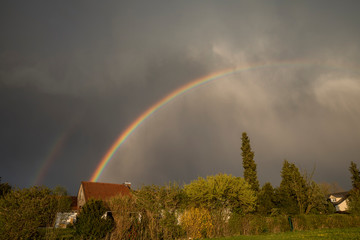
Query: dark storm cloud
{"points": [[93, 68]]}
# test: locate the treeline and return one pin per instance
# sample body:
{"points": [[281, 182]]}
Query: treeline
{"points": [[24, 211], [220, 205]]}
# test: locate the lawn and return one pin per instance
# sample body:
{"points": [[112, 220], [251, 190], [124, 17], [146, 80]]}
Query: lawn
{"points": [[345, 233]]}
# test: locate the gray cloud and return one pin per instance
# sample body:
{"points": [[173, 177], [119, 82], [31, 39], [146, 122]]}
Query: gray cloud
{"points": [[104, 64]]}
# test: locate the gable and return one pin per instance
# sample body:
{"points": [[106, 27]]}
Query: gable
{"points": [[81, 197]]}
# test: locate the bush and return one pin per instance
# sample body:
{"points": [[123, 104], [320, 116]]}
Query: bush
{"points": [[197, 223], [90, 224], [311, 222]]}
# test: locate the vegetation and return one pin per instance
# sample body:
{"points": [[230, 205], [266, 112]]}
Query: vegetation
{"points": [[249, 164], [197, 223], [5, 188], [150, 213], [267, 200], [215, 206], [22, 212], [354, 199], [90, 223], [222, 192]]}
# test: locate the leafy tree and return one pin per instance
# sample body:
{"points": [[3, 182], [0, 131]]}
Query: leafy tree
{"points": [[249, 164], [327, 188], [5, 188], [90, 224], [222, 191], [266, 199], [63, 200], [23, 211], [60, 191], [315, 199]]}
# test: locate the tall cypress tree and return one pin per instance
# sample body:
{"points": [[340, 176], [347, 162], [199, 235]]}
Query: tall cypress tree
{"points": [[355, 176], [249, 165], [354, 200]]}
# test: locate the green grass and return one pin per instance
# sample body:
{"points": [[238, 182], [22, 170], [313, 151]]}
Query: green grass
{"points": [[341, 234]]}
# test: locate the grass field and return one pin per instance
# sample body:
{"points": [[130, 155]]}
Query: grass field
{"points": [[346, 233]]}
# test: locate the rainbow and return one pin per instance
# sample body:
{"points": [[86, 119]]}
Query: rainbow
{"points": [[56, 149], [181, 90], [50, 158]]}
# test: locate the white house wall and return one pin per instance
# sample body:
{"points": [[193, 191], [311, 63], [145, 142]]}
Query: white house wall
{"points": [[342, 206]]}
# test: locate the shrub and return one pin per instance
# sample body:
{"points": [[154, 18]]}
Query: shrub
{"points": [[197, 223], [90, 224]]}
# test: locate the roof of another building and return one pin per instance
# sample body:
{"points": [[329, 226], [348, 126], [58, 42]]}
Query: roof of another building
{"points": [[103, 191], [342, 195], [339, 194], [73, 202]]}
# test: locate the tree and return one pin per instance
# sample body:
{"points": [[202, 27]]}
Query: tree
{"points": [[60, 191], [354, 199], [5, 188], [355, 176], [327, 188], [266, 199], [298, 193], [222, 191], [23, 211], [249, 164], [90, 224], [288, 193], [126, 217]]}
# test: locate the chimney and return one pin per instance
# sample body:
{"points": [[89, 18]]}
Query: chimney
{"points": [[128, 184]]}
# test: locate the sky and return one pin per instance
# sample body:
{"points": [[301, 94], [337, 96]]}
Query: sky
{"points": [[75, 74]]}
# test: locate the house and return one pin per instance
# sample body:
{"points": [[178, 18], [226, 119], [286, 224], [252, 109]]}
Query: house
{"points": [[63, 219], [100, 191], [90, 190], [340, 201]]}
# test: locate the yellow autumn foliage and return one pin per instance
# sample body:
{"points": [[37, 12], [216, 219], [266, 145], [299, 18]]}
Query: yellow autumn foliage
{"points": [[197, 223]]}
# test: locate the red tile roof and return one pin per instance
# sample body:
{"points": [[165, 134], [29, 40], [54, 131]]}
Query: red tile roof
{"points": [[103, 191], [73, 205]]}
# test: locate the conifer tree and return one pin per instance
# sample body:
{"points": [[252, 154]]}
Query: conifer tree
{"points": [[249, 165], [298, 193], [354, 200], [285, 193], [5, 188], [355, 176], [266, 199]]}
